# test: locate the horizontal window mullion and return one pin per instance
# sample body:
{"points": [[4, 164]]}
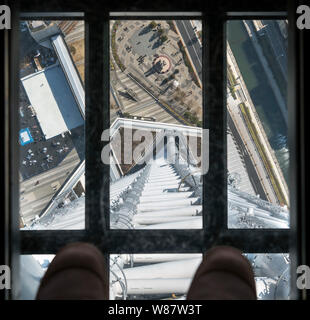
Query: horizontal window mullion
{"points": [[158, 241], [49, 241]]}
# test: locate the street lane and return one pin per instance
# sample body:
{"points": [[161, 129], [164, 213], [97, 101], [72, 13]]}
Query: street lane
{"points": [[188, 34]]}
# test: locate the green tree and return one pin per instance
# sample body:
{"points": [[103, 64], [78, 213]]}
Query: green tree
{"points": [[152, 24], [163, 38]]}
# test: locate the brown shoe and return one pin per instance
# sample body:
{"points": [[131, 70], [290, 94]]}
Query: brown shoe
{"points": [[77, 272], [224, 274]]}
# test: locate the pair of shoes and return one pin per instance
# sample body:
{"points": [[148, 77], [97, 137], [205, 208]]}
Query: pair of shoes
{"points": [[78, 272], [224, 274]]}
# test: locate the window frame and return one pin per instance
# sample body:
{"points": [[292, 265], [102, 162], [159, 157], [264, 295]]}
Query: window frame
{"points": [[215, 231]]}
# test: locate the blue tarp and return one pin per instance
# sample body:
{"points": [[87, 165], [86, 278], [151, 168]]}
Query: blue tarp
{"points": [[25, 136]]}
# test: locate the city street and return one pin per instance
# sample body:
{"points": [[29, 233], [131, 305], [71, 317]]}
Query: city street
{"points": [[192, 44]]}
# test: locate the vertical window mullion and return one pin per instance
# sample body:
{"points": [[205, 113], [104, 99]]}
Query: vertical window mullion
{"points": [[297, 153], [95, 172], [215, 181], [10, 215]]}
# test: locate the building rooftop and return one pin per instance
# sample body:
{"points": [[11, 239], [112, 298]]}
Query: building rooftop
{"points": [[52, 100]]}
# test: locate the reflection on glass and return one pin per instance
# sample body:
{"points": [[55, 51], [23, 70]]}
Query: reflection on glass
{"points": [[32, 269], [258, 155], [156, 120], [51, 136]]}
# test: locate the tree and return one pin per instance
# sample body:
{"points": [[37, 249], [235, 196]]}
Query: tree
{"points": [[126, 115], [152, 24], [163, 38], [72, 49], [172, 77]]}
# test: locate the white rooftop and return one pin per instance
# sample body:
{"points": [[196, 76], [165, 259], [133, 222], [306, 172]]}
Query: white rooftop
{"points": [[50, 95]]}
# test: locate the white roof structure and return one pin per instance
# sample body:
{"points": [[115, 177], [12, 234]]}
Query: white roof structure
{"points": [[70, 71], [50, 95], [37, 24]]}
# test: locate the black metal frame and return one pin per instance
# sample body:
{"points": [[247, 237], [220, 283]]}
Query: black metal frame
{"points": [[215, 229]]}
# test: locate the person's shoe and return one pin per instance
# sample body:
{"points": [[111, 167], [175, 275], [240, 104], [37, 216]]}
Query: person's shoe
{"points": [[77, 272], [224, 274]]}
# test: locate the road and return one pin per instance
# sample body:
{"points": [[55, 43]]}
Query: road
{"points": [[192, 44], [34, 198], [147, 106]]}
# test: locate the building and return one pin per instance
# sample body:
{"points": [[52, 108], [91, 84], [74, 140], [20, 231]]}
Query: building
{"points": [[56, 115]]}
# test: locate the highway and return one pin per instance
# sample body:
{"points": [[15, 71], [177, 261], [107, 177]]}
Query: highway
{"points": [[192, 44]]}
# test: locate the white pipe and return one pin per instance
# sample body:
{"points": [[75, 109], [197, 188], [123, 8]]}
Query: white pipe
{"points": [[154, 286], [165, 196], [167, 204], [170, 270], [172, 212], [196, 223], [158, 257], [155, 220]]}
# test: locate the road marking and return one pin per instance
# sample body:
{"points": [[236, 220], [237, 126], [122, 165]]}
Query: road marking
{"points": [[191, 45]]}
